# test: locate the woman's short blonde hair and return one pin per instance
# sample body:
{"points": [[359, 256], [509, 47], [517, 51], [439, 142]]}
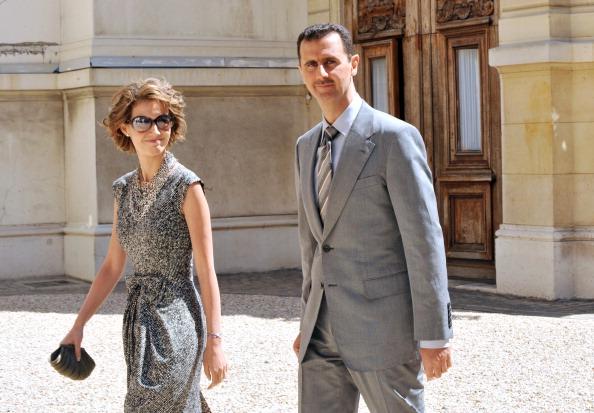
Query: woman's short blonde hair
{"points": [[151, 88]]}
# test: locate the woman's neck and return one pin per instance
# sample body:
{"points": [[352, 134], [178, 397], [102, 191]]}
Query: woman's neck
{"points": [[149, 166]]}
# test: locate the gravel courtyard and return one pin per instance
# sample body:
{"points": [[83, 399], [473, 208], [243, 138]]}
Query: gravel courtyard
{"points": [[502, 362]]}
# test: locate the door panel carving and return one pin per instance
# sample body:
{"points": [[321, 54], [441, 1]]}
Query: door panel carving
{"points": [[467, 212], [451, 10], [379, 18]]}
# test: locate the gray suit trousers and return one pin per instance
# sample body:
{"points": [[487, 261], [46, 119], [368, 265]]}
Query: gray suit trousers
{"points": [[327, 385]]}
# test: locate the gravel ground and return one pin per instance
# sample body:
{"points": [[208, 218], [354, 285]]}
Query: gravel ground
{"points": [[502, 363]]}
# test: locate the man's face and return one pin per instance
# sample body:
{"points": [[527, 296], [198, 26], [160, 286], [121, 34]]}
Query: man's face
{"points": [[327, 70]]}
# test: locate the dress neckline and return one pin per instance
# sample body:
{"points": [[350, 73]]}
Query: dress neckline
{"points": [[160, 177]]}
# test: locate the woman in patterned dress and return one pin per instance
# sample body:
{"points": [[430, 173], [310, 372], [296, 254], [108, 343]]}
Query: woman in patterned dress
{"points": [[161, 218]]}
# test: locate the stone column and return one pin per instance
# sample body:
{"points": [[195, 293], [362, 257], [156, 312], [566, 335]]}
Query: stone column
{"points": [[31, 137], [545, 246], [82, 234]]}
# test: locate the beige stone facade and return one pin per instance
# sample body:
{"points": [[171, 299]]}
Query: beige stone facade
{"points": [[324, 11], [61, 60], [545, 247]]}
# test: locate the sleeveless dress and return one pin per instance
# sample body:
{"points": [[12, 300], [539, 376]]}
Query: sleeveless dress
{"points": [[164, 325]]}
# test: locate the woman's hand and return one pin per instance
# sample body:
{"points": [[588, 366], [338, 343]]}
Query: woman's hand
{"points": [[74, 336], [215, 364]]}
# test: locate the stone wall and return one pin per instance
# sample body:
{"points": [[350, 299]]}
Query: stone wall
{"points": [[60, 63]]}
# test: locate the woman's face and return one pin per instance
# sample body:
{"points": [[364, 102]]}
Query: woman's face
{"points": [[151, 114]]}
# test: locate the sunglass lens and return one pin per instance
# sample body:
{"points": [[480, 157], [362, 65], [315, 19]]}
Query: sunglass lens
{"points": [[163, 122], [141, 123]]}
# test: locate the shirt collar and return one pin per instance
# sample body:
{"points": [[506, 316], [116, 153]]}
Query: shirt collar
{"points": [[345, 121]]}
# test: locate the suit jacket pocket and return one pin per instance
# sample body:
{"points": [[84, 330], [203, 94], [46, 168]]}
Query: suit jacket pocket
{"points": [[387, 285], [368, 181]]}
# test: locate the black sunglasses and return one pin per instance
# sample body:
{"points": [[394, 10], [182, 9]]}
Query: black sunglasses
{"points": [[142, 123]]}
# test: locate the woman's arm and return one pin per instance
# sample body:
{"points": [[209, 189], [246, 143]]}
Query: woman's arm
{"points": [[107, 277], [197, 215]]}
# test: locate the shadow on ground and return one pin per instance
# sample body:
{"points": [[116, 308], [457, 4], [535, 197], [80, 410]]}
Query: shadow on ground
{"points": [[282, 283]]}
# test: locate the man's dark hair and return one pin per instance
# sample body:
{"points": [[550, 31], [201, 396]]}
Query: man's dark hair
{"points": [[317, 31]]}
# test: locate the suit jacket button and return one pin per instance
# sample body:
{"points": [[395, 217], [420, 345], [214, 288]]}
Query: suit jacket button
{"points": [[327, 248]]}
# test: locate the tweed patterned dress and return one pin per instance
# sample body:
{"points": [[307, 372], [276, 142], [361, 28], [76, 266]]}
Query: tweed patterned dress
{"points": [[163, 331]]}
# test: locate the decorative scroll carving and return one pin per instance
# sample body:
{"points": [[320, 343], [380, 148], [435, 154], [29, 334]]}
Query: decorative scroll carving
{"points": [[449, 10], [375, 16]]}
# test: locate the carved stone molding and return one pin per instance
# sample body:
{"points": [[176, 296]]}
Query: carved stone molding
{"points": [[25, 48], [450, 10], [376, 16]]}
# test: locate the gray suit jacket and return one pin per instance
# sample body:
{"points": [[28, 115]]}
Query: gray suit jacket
{"points": [[380, 254]]}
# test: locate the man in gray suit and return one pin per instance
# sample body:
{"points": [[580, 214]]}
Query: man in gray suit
{"points": [[375, 305]]}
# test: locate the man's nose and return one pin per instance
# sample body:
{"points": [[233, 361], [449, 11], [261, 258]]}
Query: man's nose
{"points": [[322, 71]]}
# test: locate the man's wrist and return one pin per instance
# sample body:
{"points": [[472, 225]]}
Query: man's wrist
{"points": [[432, 344]]}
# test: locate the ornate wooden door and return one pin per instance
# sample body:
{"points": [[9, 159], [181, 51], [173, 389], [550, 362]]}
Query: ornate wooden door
{"points": [[426, 61]]}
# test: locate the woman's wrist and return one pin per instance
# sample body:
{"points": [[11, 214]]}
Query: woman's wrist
{"points": [[78, 325], [214, 336]]}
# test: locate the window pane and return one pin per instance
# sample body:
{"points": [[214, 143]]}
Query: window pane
{"points": [[469, 96], [379, 84]]}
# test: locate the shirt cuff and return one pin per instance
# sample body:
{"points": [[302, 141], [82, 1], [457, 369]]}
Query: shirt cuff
{"points": [[435, 343]]}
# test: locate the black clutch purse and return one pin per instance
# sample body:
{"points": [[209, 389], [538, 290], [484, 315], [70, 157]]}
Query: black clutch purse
{"points": [[64, 361]]}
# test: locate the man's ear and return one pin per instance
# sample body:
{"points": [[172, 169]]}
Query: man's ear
{"points": [[354, 64]]}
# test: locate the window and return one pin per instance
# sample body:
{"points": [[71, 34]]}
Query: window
{"points": [[379, 75], [379, 84], [469, 99]]}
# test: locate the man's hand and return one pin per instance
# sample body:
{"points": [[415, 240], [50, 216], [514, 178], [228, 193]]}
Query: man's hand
{"points": [[436, 361], [297, 344]]}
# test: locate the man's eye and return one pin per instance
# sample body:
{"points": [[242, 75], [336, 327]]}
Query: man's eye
{"points": [[311, 64]]}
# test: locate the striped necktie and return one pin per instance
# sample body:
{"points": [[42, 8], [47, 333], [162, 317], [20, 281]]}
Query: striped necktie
{"points": [[325, 169]]}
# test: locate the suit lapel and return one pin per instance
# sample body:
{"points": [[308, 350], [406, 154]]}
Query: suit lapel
{"points": [[308, 183], [355, 153]]}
